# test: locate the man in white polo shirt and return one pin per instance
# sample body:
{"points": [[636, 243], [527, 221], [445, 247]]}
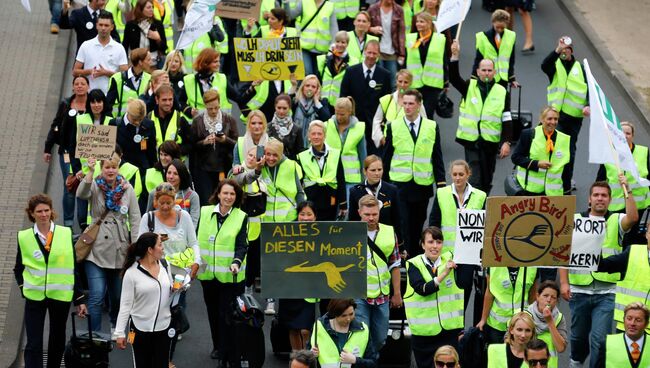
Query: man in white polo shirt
{"points": [[100, 57]]}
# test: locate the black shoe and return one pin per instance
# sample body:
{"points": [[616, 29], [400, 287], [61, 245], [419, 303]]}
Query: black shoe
{"points": [[215, 354], [529, 50]]}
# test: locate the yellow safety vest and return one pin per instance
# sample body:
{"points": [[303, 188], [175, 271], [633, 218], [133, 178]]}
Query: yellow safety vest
{"points": [[478, 117], [378, 274], [328, 351], [430, 74], [171, 134], [548, 339], [500, 57], [639, 192], [316, 37], [118, 17], [635, 287], [498, 358], [345, 8], [166, 19], [508, 297], [355, 52], [331, 86], [261, 95], [195, 98], [152, 178], [568, 93], [282, 192], [124, 93], [617, 353], [412, 160], [313, 174], [449, 213], [349, 154]]}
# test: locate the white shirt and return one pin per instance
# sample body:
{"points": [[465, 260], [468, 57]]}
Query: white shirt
{"points": [[92, 54], [136, 81], [386, 41], [365, 70], [468, 191], [41, 236], [91, 11], [629, 342], [377, 133], [416, 126]]}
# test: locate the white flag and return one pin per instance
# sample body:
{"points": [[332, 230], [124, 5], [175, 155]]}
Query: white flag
{"points": [[451, 13], [198, 21], [26, 5], [607, 144]]}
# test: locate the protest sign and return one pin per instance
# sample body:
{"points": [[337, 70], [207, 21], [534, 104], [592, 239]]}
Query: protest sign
{"points": [[269, 58], [588, 237], [239, 9], [198, 21], [314, 259], [451, 13], [528, 231], [469, 237], [95, 141]]}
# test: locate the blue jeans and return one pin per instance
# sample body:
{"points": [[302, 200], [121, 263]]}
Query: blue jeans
{"points": [[69, 200], [391, 65], [376, 317], [591, 321], [101, 280], [55, 10], [309, 59]]}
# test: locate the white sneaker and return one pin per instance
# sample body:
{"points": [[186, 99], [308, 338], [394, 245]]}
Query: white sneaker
{"points": [[270, 308]]}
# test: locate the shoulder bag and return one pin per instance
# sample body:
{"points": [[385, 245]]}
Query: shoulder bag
{"points": [[84, 244]]}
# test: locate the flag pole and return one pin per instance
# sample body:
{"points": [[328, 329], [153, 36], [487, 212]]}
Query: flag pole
{"points": [[460, 25]]}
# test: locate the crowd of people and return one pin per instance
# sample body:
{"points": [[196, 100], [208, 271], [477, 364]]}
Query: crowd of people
{"points": [[185, 192]]}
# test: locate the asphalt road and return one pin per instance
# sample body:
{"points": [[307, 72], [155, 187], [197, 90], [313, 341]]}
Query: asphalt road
{"points": [[550, 23]]}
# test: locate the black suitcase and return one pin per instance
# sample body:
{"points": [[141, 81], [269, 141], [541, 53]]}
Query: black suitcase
{"points": [[396, 352], [247, 320], [89, 349], [521, 119], [279, 338]]}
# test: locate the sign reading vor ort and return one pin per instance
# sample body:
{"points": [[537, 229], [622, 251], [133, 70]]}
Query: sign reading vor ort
{"points": [[314, 259], [528, 231], [269, 58]]}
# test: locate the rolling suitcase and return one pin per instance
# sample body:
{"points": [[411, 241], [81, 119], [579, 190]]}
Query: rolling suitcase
{"points": [[247, 320], [396, 352], [89, 349], [521, 119], [279, 338]]}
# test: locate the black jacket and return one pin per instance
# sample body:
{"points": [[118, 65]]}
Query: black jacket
{"points": [[521, 153], [389, 212], [132, 34], [490, 33], [78, 19], [142, 155]]}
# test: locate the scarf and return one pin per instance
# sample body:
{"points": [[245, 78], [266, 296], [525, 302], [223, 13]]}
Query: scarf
{"points": [[549, 143], [540, 323], [112, 196], [211, 124], [249, 144], [277, 124], [423, 38], [144, 26], [276, 33]]}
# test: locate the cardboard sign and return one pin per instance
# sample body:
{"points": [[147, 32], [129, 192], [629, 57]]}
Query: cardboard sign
{"points": [[239, 9], [314, 259], [588, 238], [469, 237], [528, 231], [269, 58], [95, 141]]}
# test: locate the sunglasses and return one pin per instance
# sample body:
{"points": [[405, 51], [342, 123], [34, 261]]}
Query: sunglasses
{"points": [[440, 364], [538, 362], [165, 187]]}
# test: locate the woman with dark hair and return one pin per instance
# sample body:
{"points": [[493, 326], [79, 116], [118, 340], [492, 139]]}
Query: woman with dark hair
{"points": [[277, 27], [341, 338], [185, 198], [146, 31], [155, 175], [223, 243], [145, 303], [283, 128]]}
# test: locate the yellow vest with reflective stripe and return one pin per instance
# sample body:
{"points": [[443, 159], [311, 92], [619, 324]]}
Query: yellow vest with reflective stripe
{"points": [[254, 222], [616, 352], [449, 213], [349, 154], [481, 117], [316, 37], [409, 12], [345, 8], [639, 192], [195, 98], [331, 86], [429, 315], [171, 134], [392, 112], [497, 357], [413, 160], [328, 352], [355, 52], [261, 95], [118, 17], [568, 93], [152, 178], [313, 175], [202, 42], [124, 93], [610, 247], [501, 57], [508, 298], [218, 244], [431, 73], [378, 274], [54, 279], [548, 339], [546, 181], [86, 119], [166, 20], [282, 192], [635, 287]]}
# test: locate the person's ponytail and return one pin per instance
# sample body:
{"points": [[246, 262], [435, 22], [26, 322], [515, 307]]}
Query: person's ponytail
{"points": [[138, 249]]}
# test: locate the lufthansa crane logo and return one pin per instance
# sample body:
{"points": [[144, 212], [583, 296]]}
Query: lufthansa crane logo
{"points": [[532, 240]]}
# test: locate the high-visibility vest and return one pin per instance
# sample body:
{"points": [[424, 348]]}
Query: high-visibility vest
{"points": [[355, 52], [639, 192], [313, 174], [546, 181], [500, 57], [378, 273], [152, 178], [217, 245], [282, 192], [617, 353], [171, 134], [548, 339], [392, 111], [568, 93], [331, 86], [195, 98], [118, 17], [124, 93], [166, 20], [254, 222], [316, 37], [610, 247], [329, 355], [430, 74], [54, 279], [498, 358], [86, 119], [409, 12], [478, 117], [635, 287], [261, 95], [288, 32], [449, 213], [412, 160], [429, 315], [345, 8], [204, 41], [349, 154], [508, 297]]}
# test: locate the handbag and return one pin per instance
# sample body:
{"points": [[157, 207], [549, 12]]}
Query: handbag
{"points": [[71, 183], [179, 322], [445, 108], [84, 244]]}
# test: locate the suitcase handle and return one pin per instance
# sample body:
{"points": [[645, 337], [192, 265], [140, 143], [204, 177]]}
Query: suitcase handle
{"points": [[518, 100], [74, 327]]}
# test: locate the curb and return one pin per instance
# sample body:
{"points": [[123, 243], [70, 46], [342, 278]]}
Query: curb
{"points": [[618, 74], [13, 333]]}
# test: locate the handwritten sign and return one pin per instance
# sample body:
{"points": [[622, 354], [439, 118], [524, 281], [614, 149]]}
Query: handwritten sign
{"points": [[239, 9], [314, 259], [95, 141], [469, 237], [528, 231], [269, 58], [588, 237]]}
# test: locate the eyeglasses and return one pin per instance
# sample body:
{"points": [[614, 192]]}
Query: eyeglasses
{"points": [[538, 362], [440, 364]]}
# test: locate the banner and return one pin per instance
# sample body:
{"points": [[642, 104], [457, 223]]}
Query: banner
{"points": [[239, 9], [469, 237], [528, 231], [607, 144], [588, 238], [451, 13], [269, 58], [198, 21], [314, 259], [95, 141]]}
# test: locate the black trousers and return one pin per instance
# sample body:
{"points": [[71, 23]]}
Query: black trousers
{"points": [[253, 267], [424, 347], [35, 322], [468, 279], [218, 297], [151, 349], [413, 216], [571, 126], [482, 161], [430, 99]]}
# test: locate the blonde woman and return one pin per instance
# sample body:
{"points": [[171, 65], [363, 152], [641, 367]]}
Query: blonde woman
{"points": [[254, 137], [510, 354], [175, 67], [309, 106], [446, 357]]}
